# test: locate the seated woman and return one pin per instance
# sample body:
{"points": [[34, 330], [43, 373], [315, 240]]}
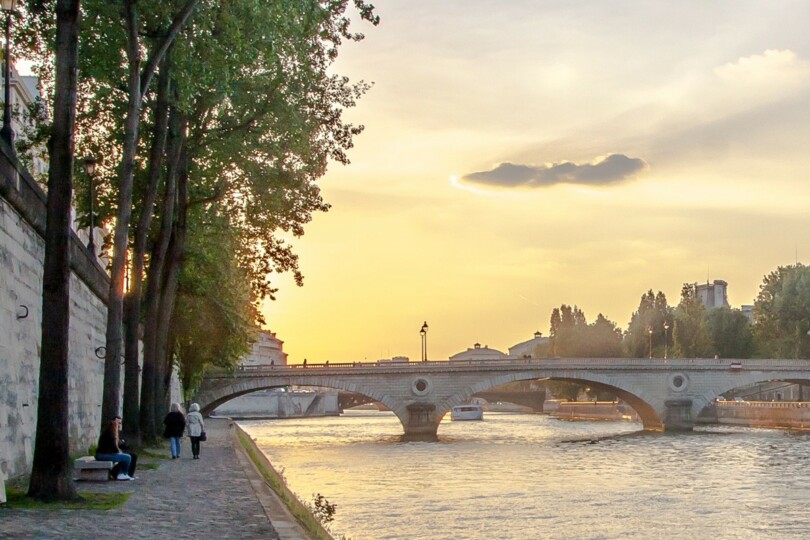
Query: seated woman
{"points": [[108, 449]]}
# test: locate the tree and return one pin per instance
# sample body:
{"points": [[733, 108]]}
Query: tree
{"points": [[782, 313], [690, 334], [215, 312], [139, 77], [51, 472], [602, 339], [263, 126], [730, 333], [572, 336], [652, 314]]}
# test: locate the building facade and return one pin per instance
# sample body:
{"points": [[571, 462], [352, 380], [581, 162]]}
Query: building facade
{"points": [[267, 350], [713, 295], [530, 348]]}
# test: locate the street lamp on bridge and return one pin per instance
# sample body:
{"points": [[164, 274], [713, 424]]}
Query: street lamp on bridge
{"points": [[423, 333], [666, 339], [649, 331]]}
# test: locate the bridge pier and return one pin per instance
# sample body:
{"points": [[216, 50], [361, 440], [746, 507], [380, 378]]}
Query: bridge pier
{"points": [[678, 415], [421, 423]]}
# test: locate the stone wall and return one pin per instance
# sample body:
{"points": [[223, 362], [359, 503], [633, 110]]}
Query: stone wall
{"points": [[275, 404], [592, 410], [763, 414], [22, 250]]}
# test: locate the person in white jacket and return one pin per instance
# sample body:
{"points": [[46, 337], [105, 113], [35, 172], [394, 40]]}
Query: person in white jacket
{"points": [[196, 429]]}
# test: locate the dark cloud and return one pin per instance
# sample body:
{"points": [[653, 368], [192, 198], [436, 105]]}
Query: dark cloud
{"points": [[614, 169]]}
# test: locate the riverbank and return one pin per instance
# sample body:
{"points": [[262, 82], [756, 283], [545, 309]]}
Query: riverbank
{"points": [[608, 411], [760, 414], [220, 496]]}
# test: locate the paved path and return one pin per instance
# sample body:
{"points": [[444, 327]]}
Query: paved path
{"points": [[218, 496]]}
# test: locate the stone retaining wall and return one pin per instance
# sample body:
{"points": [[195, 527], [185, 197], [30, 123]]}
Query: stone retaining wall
{"points": [[22, 251], [764, 414], [593, 410]]}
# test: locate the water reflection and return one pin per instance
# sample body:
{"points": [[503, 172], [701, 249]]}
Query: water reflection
{"points": [[530, 476]]}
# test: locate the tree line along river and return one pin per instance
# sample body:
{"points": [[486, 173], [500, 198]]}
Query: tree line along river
{"points": [[527, 476]]}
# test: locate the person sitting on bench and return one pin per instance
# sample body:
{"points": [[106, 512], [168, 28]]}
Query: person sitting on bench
{"points": [[109, 449]]}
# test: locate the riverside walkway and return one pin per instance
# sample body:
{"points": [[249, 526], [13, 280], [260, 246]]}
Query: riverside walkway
{"points": [[219, 496]]}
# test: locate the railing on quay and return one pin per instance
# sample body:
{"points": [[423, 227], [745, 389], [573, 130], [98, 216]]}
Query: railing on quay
{"points": [[764, 404]]}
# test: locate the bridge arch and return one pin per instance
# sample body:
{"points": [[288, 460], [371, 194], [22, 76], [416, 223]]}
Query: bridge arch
{"points": [[631, 395], [743, 379], [209, 400]]}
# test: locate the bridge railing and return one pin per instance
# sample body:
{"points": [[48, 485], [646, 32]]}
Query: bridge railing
{"points": [[728, 363]]}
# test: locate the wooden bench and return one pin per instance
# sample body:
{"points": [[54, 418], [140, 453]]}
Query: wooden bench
{"points": [[88, 468]]}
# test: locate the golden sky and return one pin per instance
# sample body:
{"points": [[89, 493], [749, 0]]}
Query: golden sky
{"points": [[523, 154]]}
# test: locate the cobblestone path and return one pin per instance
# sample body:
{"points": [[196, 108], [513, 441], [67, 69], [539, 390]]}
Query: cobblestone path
{"points": [[217, 497]]}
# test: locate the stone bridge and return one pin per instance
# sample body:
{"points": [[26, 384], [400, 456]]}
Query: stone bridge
{"points": [[666, 394]]}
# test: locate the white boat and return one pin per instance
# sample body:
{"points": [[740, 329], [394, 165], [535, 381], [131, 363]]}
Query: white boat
{"points": [[468, 411]]}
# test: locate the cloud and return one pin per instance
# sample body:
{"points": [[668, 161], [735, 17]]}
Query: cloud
{"points": [[612, 169], [774, 68]]}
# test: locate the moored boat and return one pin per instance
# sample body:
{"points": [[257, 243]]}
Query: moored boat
{"points": [[468, 411]]}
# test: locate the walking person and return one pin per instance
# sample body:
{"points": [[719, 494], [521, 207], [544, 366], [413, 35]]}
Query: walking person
{"points": [[108, 449], [175, 423], [196, 429]]}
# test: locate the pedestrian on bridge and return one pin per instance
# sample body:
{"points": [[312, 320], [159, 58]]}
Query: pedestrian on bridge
{"points": [[175, 423]]}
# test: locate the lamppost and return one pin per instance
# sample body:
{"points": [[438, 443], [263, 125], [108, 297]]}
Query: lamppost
{"points": [[8, 7], [666, 339], [89, 163], [423, 333], [649, 331]]}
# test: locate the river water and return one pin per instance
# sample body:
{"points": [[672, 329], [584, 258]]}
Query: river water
{"points": [[525, 476]]}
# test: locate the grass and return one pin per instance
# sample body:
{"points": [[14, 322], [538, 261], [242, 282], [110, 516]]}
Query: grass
{"points": [[153, 452], [299, 510], [17, 500]]}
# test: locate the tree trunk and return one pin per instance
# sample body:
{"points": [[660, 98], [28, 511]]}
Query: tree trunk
{"points": [[173, 267], [138, 84], [154, 284], [133, 299], [115, 305], [51, 473]]}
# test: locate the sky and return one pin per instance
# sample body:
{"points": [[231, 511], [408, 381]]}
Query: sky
{"points": [[520, 155]]}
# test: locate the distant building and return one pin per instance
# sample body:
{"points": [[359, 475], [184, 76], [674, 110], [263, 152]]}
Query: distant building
{"points": [[528, 349], [24, 91], [267, 350], [713, 295], [479, 353], [748, 311]]}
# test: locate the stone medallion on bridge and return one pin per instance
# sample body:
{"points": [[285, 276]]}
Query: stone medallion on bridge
{"points": [[421, 387], [678, 382]]}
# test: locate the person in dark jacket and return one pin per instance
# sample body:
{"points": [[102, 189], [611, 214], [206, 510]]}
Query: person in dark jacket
{"points": [[109, 449], [175, 423]]}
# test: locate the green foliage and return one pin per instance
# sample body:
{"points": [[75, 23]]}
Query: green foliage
{"points": [[730, 333], [653, 314], [782, 313], [215, 312], [564, 389], [18, 500], [690, 333], [571, 336], [323, 510]]}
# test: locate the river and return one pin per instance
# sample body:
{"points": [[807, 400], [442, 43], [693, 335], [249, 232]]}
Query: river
{"points": [[526, 476]]}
